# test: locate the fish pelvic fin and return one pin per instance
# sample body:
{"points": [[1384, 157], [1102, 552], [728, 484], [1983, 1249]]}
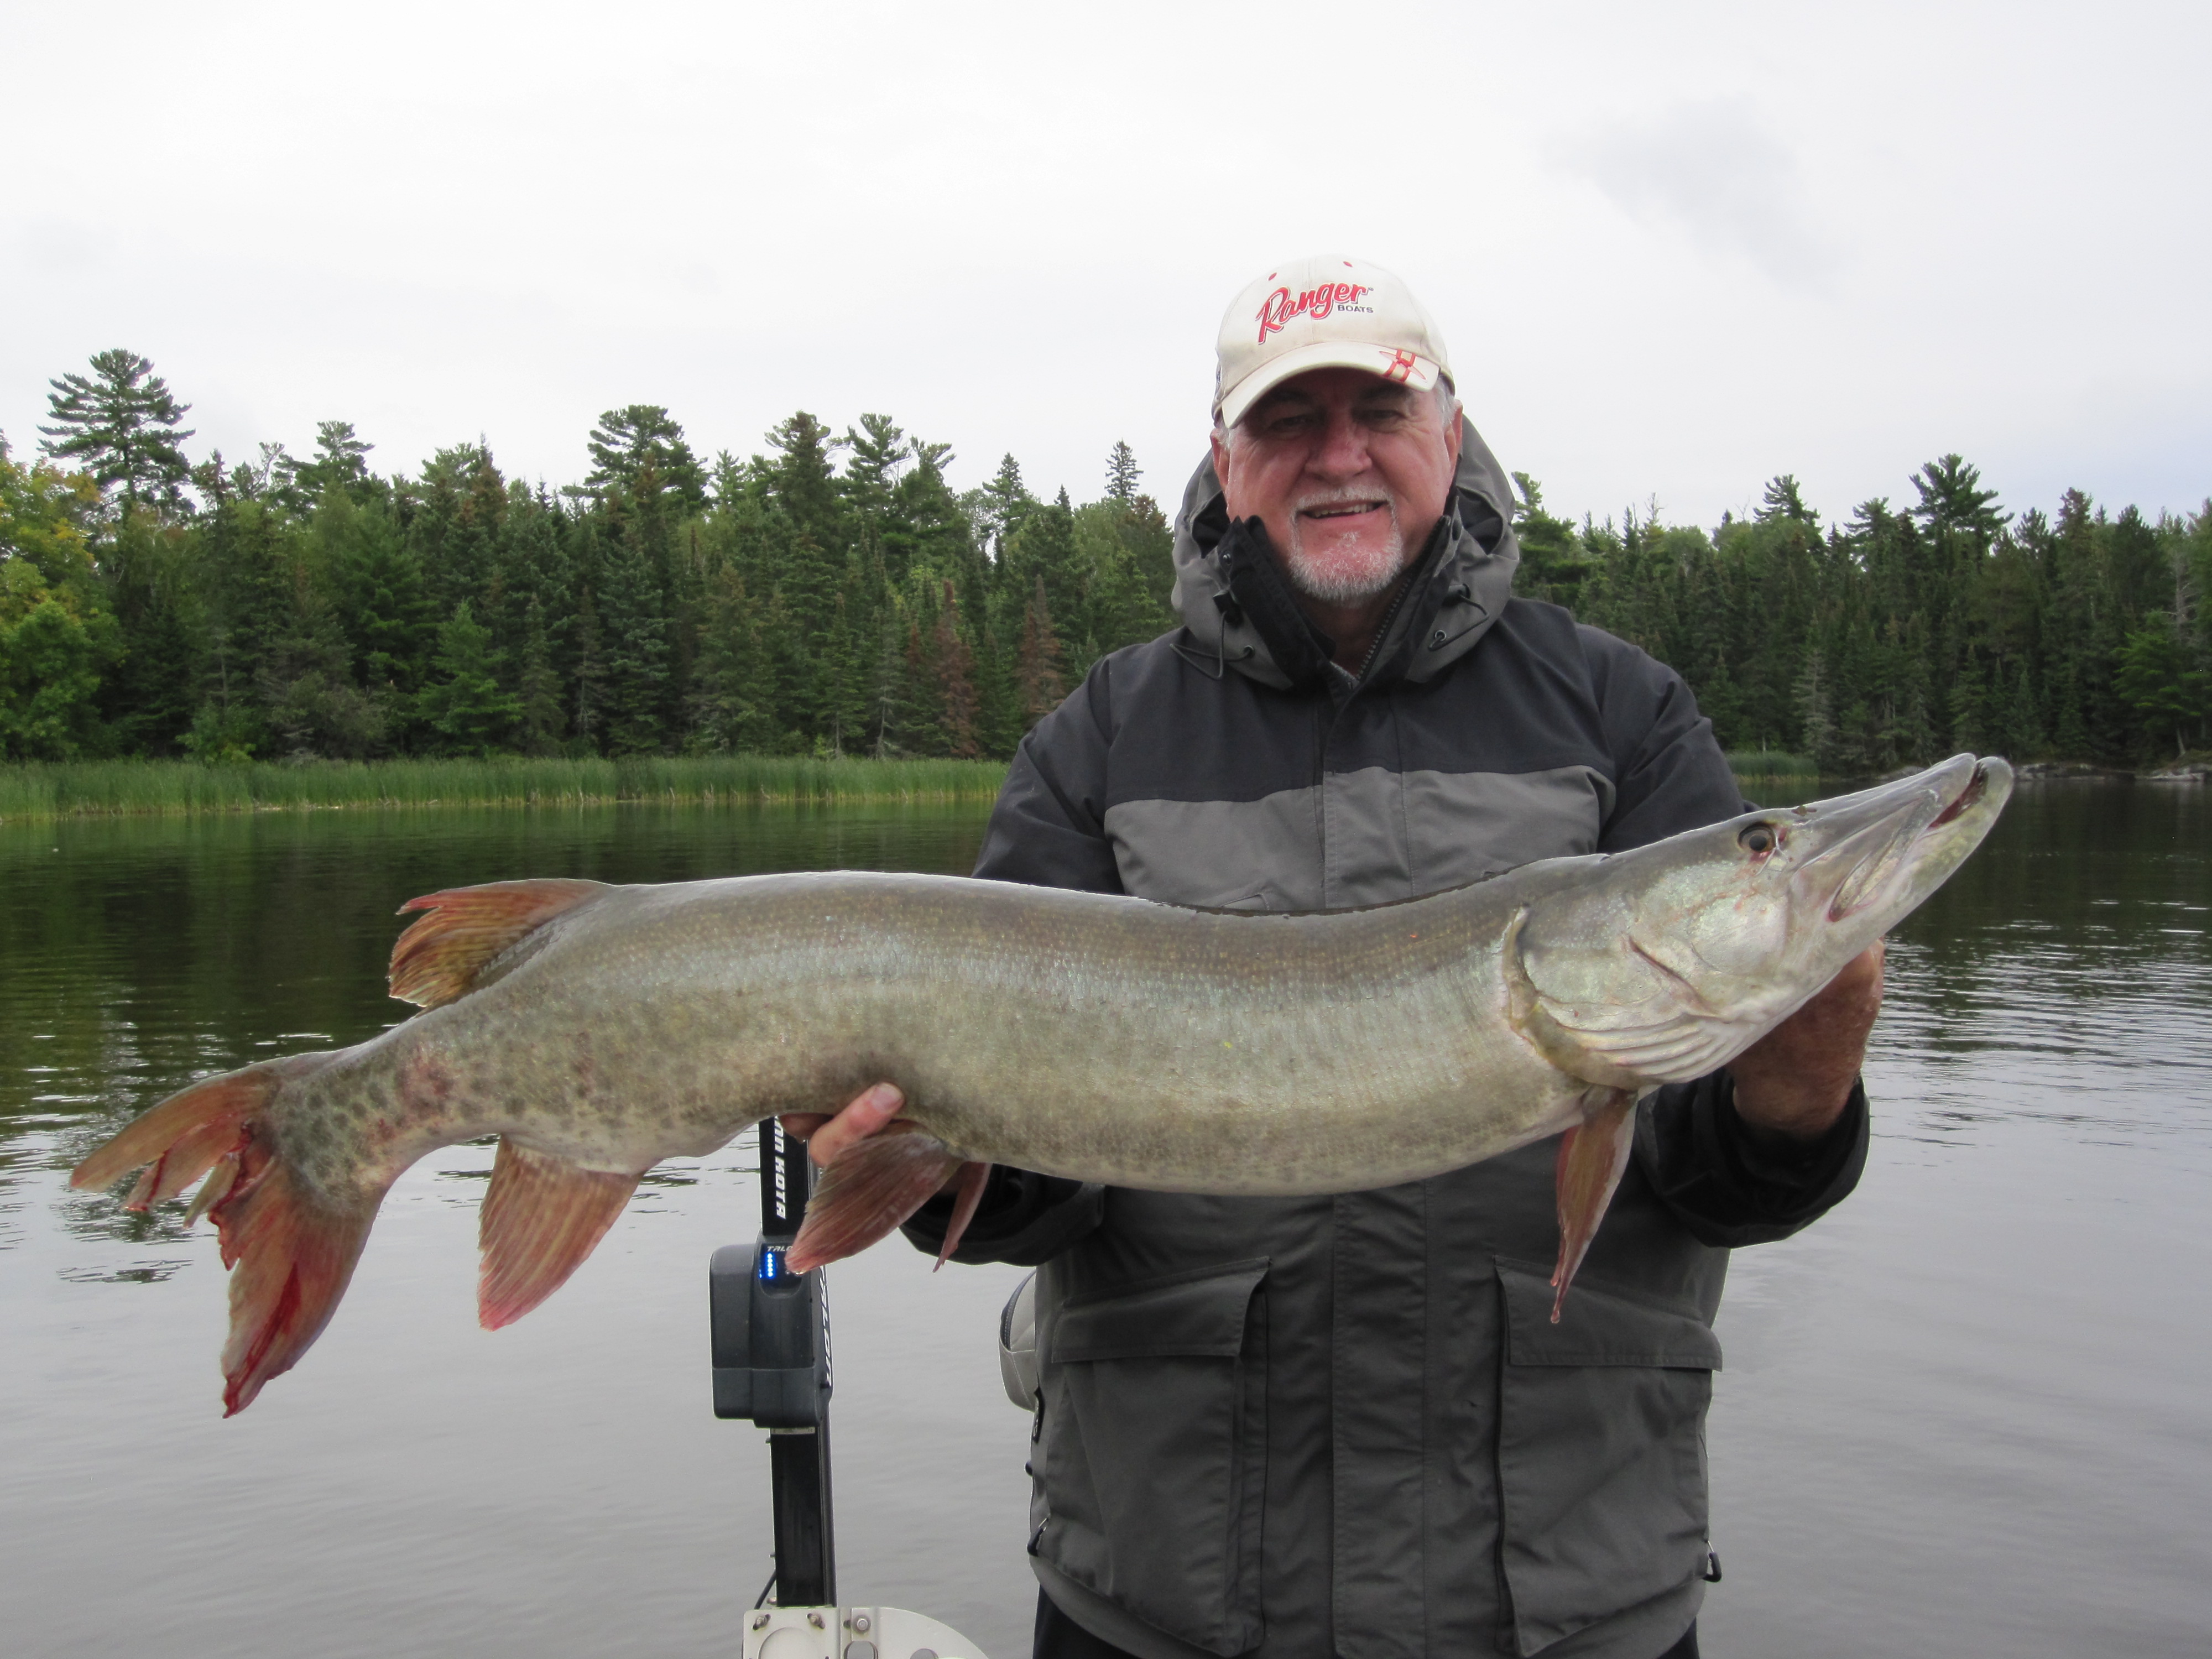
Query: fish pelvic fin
{"points": [[1593, 1155], [437, 960], [541, 1218], [873, 1186]]}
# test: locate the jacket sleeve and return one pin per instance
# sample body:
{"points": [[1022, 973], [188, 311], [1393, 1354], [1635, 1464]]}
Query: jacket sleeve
{"points": [[1048, 830], [1025, 1219], [1670, 775], [1730, 1189]]}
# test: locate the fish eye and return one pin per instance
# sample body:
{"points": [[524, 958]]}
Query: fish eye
{"points": [[1759, 839]]}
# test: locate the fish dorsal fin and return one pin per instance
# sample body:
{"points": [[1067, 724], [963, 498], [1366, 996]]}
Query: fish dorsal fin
{"points": [[541, 1218], [437, 959]]}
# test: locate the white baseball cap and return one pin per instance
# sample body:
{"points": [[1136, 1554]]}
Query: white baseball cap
{"points": [[1325, 312]]}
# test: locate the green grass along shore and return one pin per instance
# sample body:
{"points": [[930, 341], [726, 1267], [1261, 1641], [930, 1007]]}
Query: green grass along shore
{"points": [[69, 789]]}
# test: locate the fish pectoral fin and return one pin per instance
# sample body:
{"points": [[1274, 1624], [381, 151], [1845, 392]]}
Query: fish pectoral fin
{"points": [[873, 1186], [1661, 1041], [973, 1177], [1593, 1155], [541, 1218], [437, 959]]}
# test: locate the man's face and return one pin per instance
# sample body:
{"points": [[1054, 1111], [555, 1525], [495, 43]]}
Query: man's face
{"points": [[1349, 472]]}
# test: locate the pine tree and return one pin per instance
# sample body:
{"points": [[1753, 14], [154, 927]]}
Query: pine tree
{"points": [[464, 703], [1037, 674], [1952, 499], [1001, 505], [635, 640], [340, 463], [538, 689], [1815, 724], [1122, 474], [2168, 691], [591, 716], [1781, 500], [639, 452], [122, 426], [955, 666]]}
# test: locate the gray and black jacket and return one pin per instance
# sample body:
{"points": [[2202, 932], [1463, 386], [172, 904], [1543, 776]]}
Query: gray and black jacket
{"points": [[1306, 1425]]}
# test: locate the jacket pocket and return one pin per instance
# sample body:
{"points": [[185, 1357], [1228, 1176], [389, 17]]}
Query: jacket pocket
{"points": [[1154, 1443], [1601, 1451]]}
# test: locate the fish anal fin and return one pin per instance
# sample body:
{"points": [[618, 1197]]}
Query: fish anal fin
{"points": [[292, 1258], [541, 1218], [437, 959], [1593, 1155], [873, 1186]]}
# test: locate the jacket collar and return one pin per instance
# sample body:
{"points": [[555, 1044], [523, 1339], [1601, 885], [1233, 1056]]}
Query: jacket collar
{"points": [[1238, 613]]}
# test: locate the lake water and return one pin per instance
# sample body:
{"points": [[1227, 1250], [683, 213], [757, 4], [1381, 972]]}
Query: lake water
{"points": [[1968, 1415]]}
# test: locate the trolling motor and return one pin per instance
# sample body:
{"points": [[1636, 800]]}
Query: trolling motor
{"points": [[771, 1349]]}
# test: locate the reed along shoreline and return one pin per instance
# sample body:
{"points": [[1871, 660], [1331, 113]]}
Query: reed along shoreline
{"points": [[74, 789], [43, 790]]}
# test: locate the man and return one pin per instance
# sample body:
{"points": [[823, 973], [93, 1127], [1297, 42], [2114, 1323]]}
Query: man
{"points": [[1345, 1424]]}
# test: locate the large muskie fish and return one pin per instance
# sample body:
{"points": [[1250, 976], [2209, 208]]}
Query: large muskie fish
{"points": [[599, 1030]]}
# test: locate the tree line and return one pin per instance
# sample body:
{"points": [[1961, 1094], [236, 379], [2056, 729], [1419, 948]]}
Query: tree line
{"points": [[833, 595]]}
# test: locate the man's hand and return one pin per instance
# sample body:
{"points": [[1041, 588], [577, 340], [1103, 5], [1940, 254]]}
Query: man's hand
{"points": [[1794, 1082], [859, 1117]]}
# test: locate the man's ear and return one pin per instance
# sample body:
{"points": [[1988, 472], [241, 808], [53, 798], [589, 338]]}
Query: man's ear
{"points": [[1451, 440], [1221, 464]]}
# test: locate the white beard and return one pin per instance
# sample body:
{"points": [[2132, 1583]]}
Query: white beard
{"points": [[1341, 574]]}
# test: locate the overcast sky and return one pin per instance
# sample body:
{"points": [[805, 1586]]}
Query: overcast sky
{"points": [[1674, 250]]}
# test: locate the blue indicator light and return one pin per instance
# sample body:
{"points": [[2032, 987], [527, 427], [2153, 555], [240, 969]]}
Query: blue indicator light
{"points": [[771, 1263]]}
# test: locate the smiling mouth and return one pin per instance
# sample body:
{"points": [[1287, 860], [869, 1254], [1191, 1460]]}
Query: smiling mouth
{"points": [[1341, 509]]}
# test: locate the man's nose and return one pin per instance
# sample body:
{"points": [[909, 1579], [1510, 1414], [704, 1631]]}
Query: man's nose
{"points": [[1340, 450]]}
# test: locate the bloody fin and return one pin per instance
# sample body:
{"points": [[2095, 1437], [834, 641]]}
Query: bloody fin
{"points": [[541, 1219], [973, 1179], [291, 1254], [873, 1186], [291, 1258], [180, 1140], [1592, 1157], [438, 959]]}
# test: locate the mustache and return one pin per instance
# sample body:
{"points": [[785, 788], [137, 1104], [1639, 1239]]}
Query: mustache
{"points": [[1339, 496]]}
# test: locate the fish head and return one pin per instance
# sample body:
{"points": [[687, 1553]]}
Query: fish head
{"points": [[1671, 959]]}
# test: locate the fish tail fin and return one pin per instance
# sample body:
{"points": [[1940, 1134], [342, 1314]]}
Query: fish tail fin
{"points": [[873, 1186], [291, 1257], [541, 1216], [437, 959], [181, 1138], [291, 1254], [1593, 1155]]}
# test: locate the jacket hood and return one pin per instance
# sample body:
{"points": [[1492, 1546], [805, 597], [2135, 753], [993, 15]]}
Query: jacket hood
{"points": [[1238, 612]]}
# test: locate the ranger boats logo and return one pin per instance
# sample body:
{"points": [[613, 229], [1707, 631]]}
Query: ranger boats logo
{"points": [[1316, 302]]}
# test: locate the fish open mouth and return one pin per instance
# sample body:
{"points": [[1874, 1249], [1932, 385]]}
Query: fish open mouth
{"points": [[1880, 851], [1977, 787]]}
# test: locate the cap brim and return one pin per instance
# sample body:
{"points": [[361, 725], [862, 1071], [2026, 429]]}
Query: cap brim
{"points": [[1406, 367]]}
